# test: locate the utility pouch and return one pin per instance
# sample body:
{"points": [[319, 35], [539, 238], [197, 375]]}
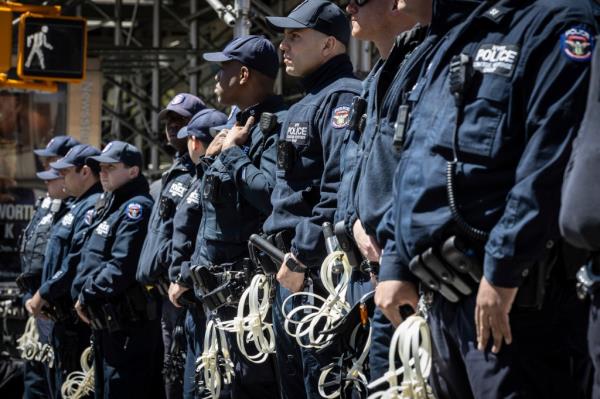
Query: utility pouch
{"points": [[347, 245], [211, 188], [357, 111], [286, 155], [166, 208]]}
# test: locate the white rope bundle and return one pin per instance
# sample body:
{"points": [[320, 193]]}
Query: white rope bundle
{"points": [[412, 342], [31, 348], [208, 364], [308, 329], [354, 375], [80, 383], [250, 327]]}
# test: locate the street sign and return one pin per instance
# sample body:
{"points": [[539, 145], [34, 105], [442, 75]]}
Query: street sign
{"points": [[52, 48], [5, 39]]}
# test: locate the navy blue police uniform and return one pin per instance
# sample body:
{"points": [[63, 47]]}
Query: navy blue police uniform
{"points": [[494, 149], [237, 185], [186, 222], [125, 317], [370, 186], [579, 222], [70, 336], [308, 178], [156, 252]]}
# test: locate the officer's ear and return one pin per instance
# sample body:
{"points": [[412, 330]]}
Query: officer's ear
{"points": [[134, 171], [329, 45], [244, 75]]}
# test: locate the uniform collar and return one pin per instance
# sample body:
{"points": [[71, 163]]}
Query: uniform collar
{"points": [[272, 103], [94, 189], [137, 186], [184, 162], [338, 67], [449, 13], [499, 10]]}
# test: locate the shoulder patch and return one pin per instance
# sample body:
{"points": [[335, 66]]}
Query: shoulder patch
{"points": [[577, 44], [340, 117], [134, 211], [89, 217]]}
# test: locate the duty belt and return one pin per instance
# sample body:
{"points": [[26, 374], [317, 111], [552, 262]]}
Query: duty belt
{"points": [[136, 305], [223, 284]]}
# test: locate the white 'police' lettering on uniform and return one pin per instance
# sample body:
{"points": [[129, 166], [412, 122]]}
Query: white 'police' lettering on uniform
{"points": [[177, 189], [103, 229], [193, 198], [498, 59], [67, 220], [297, 133], [46, 219]]}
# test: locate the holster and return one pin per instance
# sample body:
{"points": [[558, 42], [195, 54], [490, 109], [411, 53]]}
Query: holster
{"points": [[60, 310], [29, 282]]}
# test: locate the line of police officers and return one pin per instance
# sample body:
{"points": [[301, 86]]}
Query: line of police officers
{"points": [[443, 168]]}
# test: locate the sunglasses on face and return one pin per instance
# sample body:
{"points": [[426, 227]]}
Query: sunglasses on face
{"points": [[344, 3]]}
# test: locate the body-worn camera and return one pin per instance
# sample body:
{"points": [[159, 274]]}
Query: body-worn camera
{"points": [[210, 191], [286, 155]]}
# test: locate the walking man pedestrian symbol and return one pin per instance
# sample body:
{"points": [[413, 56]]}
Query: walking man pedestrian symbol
{"points": [[36, 41]]}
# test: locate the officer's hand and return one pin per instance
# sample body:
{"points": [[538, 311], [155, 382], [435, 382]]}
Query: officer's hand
{"points": [[175, 291], [491, 314], [81, 312], [214, 147], [35, 304], [392, 294], [238, 135], [366, 244], [293, 281]]}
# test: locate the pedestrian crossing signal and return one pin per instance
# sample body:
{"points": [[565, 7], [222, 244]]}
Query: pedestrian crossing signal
{"points": [[52, 48]]}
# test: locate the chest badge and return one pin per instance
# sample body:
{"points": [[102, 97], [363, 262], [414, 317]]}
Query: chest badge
{"points": [[498, 59], [177, 189], [103, 229], [67, 220]]}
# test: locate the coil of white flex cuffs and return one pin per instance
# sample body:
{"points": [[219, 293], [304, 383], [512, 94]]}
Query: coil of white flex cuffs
{"points": [[412, 343], [31, 348], [307, 322], [215, 363], [254, 336], [80, 383]]}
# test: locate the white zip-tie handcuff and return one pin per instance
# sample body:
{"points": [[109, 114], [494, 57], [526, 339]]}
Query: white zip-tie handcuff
{"points": [[308, 329], [31, 348], [80, 383], [252, 327], [208, 364], [412, 342]]}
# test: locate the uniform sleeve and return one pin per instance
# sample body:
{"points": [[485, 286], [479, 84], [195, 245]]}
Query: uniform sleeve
{"points": [[308, 244], [553, 110], [59, 285], [579, 217], [184, 237], [118, 274], [255, 184]]}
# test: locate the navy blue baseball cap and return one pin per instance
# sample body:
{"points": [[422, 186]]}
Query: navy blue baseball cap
{"points": [[184, 104], [57, 147], [201, 123], [76, 156], [320, 15], [256, 52], [118, 151], [50, 174]]}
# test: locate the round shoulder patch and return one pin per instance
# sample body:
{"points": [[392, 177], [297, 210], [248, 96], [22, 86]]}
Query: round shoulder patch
{"points": [[577, 44], [134, 211], [178, 99], [341, 117]]}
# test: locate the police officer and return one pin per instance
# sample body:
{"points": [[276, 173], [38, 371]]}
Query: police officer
{"points": [[155, 257], [186, 222], [32, 246], [70, 336], [367, 166], [477, 191], [39, 377], [238, 180], [579, 214], [316, 34], [124, 317]]}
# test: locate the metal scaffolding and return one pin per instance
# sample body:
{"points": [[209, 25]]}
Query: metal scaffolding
{"points": [[149, 51]]}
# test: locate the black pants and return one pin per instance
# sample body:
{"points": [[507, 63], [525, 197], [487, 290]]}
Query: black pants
{"points": [[594, 341], [128, 362], [539, 363]]}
